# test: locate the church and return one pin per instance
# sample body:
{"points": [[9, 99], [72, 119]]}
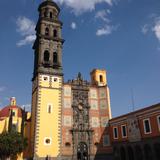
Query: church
{"points": [[72, 120], [67, 119]]}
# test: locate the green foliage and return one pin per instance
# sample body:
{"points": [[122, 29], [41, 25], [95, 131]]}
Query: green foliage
{"points": [[11, 144]]}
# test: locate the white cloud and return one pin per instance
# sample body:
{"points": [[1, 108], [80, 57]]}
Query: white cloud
{"points": [[73, 25], [28, 40], [145, 28], [26, 28], [153, 26], [27, 107], [103, 15], [156, 28], [108, 29], [80, 6]]}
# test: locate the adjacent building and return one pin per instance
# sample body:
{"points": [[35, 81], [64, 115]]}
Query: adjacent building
{"points": [[136, 135], [13, 117]]}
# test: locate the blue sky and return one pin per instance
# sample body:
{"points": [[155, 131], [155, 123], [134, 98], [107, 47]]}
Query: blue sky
{"points": [[121, 36]]}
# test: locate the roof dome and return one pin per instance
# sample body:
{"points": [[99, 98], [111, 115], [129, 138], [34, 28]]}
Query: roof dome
{"points": [[50, 3], [5, 112]]}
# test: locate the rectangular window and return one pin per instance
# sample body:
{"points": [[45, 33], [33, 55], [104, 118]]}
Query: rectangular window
{"points": [[158, 122], [124, 131], [106, 141], [13, 113], [49, 108], [147, 126], [115, 132]]}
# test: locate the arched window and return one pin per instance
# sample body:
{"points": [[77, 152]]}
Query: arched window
{"points": [[67, 144], [82, 151], [101, 78], [51, 14], [45, 13], [55, 57], [54, 33], [46, 56], [47, 31]]}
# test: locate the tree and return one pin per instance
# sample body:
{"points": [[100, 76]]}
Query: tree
{"points": [[10, 121], [11, 144]]}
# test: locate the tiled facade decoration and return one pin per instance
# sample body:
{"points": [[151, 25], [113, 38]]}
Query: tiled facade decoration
{"points": [[94, 104], [67, 91], [95, 122], [67, 103], [103, 104], [67, 121], [102, 93], [93, 93]]}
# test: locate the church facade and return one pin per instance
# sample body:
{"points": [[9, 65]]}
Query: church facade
{"points": [[67, 119]]}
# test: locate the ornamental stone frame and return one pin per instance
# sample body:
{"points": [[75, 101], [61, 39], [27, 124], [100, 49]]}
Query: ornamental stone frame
{"points": [[81, 130]]}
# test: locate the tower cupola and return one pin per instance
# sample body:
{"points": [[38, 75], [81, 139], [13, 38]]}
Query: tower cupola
{"points": [[13, 101], [49, 9]]}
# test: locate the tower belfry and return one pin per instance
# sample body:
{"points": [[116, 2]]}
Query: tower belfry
{"points": [[48, 44], [47, 83]]}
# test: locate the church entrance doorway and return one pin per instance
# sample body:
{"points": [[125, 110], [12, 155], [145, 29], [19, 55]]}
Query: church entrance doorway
{"points": [[82, 151]]}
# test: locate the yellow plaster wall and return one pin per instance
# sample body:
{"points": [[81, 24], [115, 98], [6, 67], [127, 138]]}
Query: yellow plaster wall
{"points": [[48, 124], [49, 82], [17, 120], [2, 125], [33, 119]]}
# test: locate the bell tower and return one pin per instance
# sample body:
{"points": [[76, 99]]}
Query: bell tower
{"points": [[48, 44], [47, 83]]}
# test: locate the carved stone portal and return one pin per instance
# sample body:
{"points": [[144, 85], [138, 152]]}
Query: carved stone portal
{"points": [[81, 131]]}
